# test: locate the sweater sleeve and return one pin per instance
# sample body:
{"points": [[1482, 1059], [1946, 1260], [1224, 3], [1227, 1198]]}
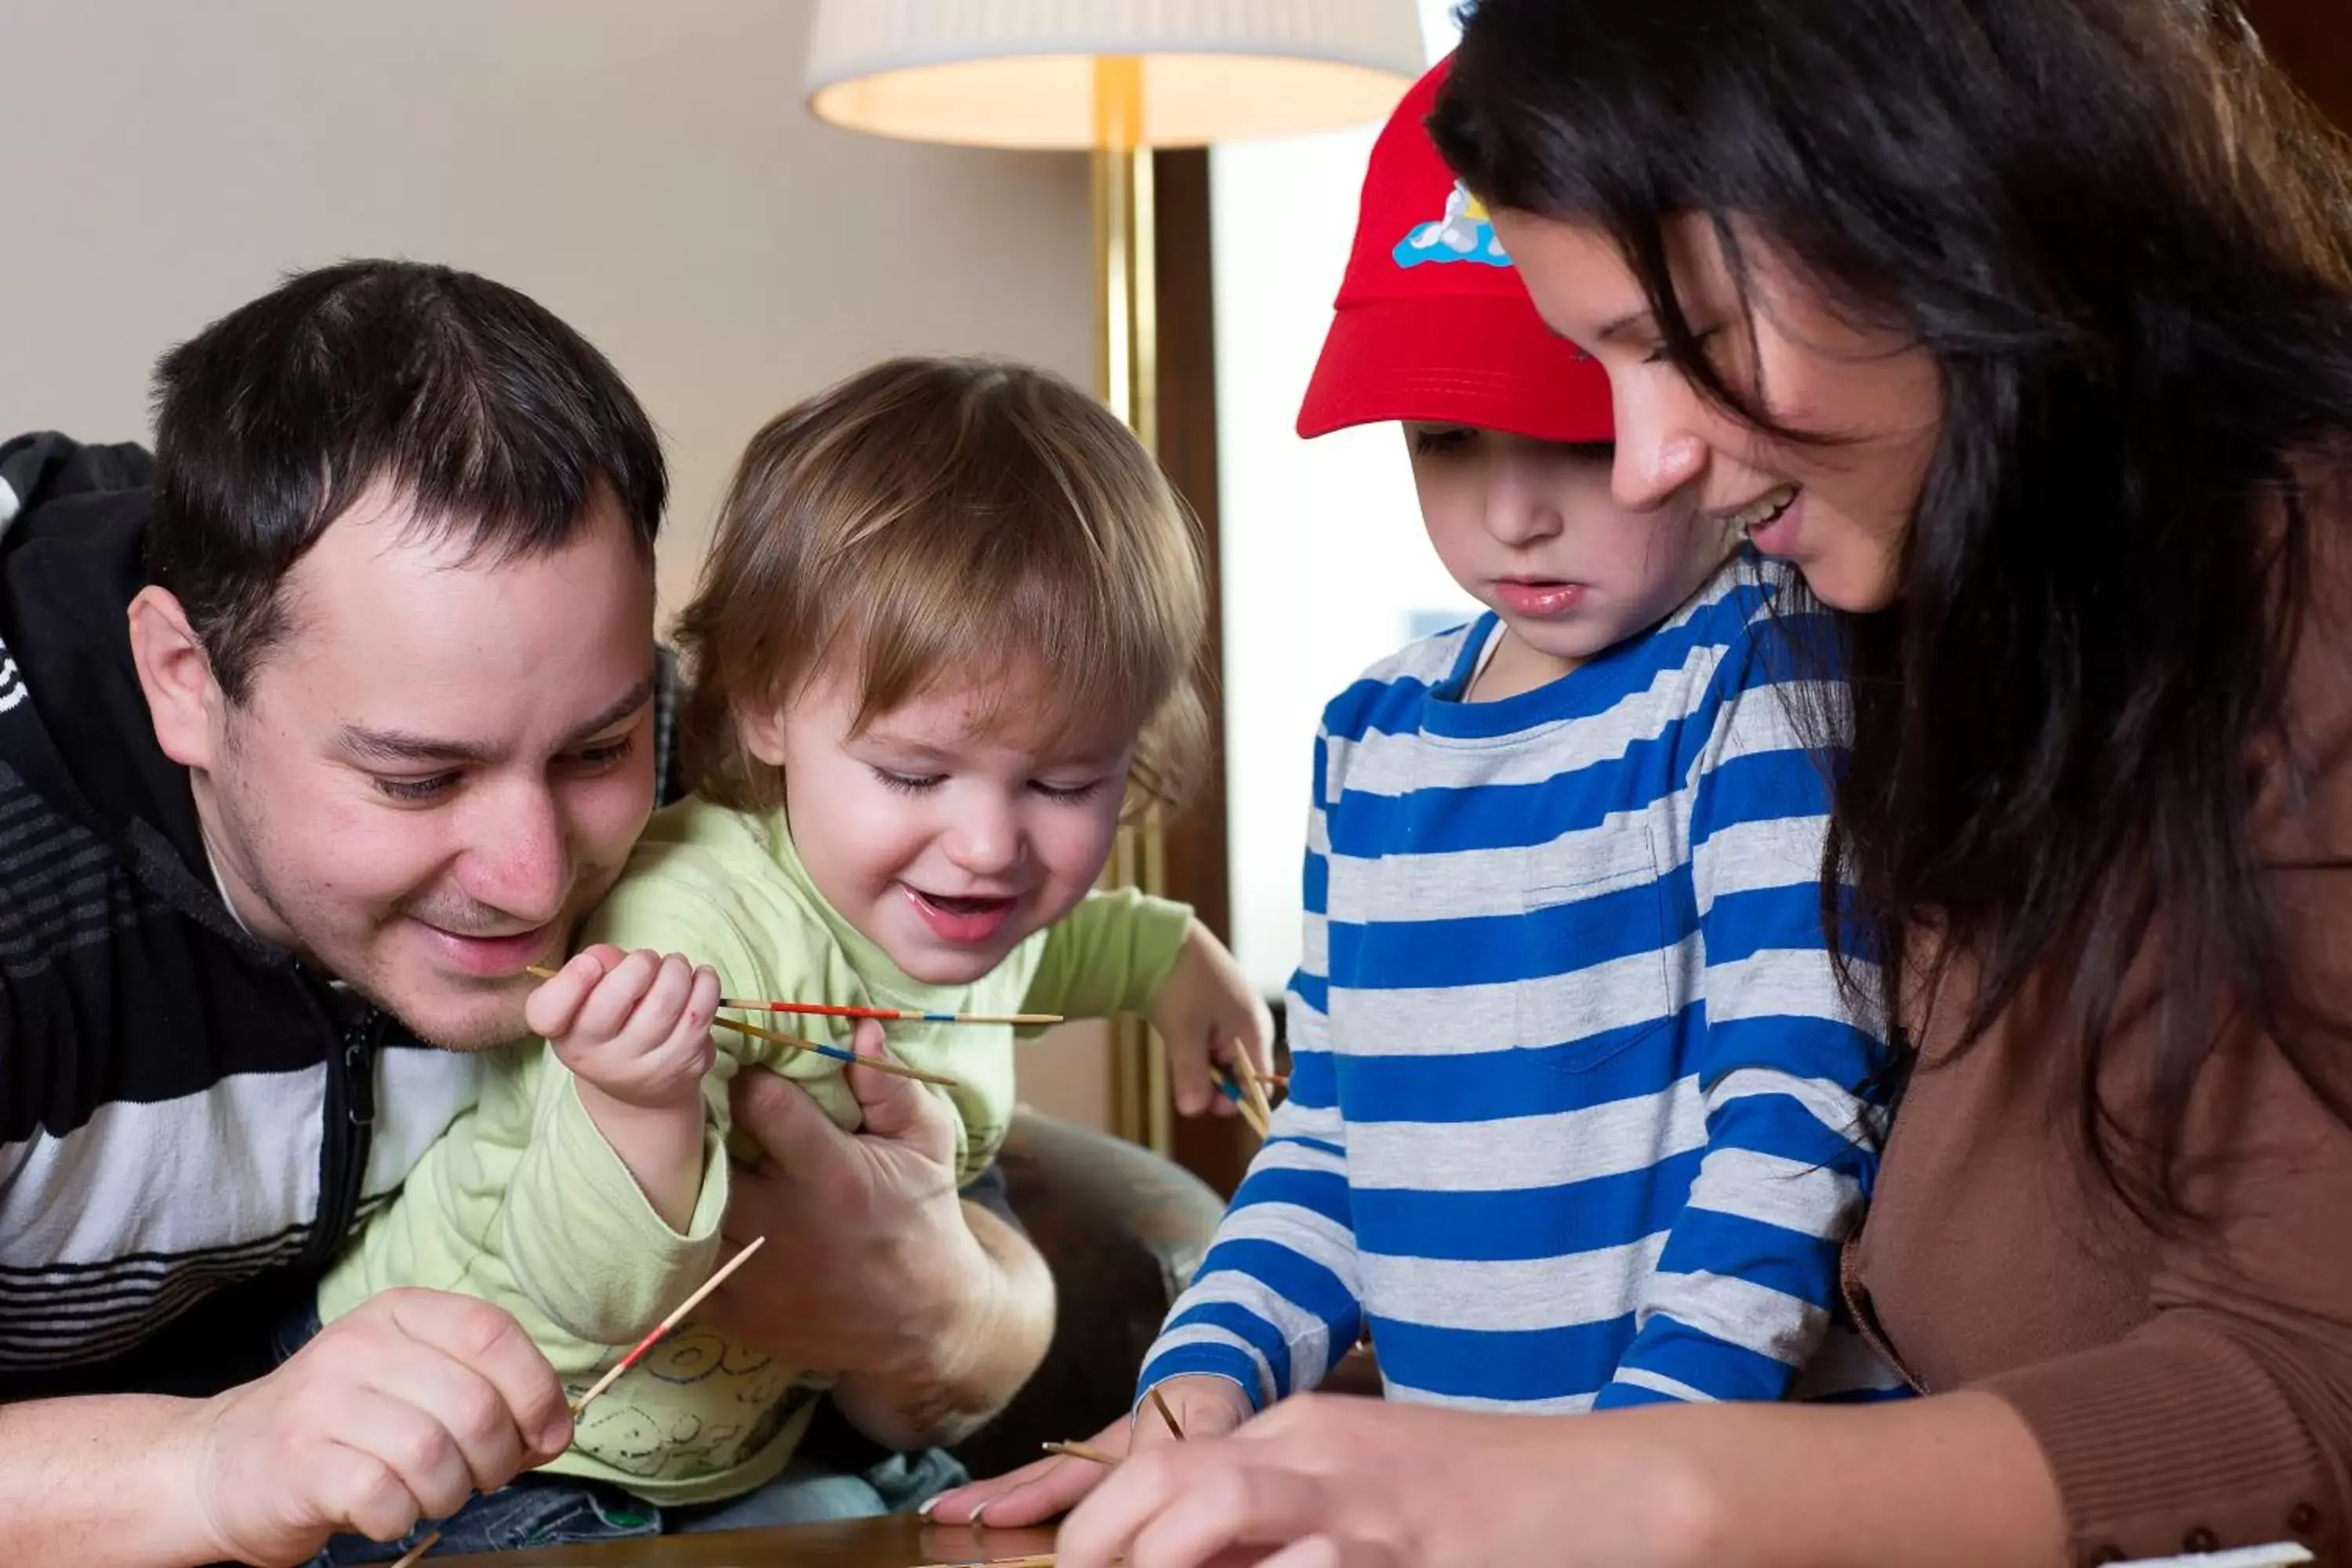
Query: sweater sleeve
{"points": [[581, 1239], [584, 1243], [2227, 1416], [1276, 1300], [1741, 1295]]}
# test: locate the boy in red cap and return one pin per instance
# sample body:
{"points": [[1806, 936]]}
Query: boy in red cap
{"points": [[1576, 1114]]}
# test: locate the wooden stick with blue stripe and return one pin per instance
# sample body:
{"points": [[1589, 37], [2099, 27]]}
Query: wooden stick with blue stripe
{"points": [[1230, 1086], [891, 1015], [794, 1042]]}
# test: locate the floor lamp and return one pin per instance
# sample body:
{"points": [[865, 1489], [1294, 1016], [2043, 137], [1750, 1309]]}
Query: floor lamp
{"points": [[1115, 79]]}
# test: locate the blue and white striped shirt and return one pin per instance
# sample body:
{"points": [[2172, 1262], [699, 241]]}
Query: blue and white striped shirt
{"points": [[1574, 1114]]}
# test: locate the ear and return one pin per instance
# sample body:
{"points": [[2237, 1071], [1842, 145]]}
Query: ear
{"points": [[762, 726], [183, 700]]}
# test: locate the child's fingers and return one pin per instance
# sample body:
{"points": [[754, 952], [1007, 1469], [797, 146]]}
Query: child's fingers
{"points": [[703, 1005], [614, 1000], [603, 953], [661, 1009], [1190, 1075], [690, 1037], [1206, 1407], [1257, 1038], [553, 1005]]}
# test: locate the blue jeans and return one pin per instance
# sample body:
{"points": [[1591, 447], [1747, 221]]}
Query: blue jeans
{"points": [[541, 1510], [565, 1510]]}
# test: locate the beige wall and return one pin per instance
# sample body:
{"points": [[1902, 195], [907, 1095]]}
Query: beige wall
{"points": [[643, 167]]}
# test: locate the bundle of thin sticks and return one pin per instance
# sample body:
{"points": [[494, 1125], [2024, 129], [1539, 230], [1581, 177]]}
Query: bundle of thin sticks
{"points": [[794, 1043], [1245, 1086]]}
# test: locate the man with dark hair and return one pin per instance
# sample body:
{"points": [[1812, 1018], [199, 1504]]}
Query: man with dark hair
{"points": [[307, 748]]}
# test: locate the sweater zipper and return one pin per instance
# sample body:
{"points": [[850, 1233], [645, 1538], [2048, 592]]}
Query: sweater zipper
{"points": [[349, 1126]]}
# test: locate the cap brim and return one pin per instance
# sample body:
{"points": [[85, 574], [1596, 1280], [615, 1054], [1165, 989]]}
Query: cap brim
{"points": [[1488, 361]]}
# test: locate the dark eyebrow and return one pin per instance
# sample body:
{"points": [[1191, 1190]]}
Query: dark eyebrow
{"points": [[395, 747], [1609, 333], [637, 697]]}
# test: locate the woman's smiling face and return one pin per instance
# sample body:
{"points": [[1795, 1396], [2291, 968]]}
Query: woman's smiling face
{"points": [[1839, 510]]}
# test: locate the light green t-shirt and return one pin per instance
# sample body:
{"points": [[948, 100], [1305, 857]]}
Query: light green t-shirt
{"points": [[524, 1204]]}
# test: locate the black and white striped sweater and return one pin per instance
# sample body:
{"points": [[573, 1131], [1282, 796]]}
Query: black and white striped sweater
{"points": [[190, 1120]]}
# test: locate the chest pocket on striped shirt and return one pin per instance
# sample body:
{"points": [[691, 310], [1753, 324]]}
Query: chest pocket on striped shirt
{"points": [[1597, 949]]}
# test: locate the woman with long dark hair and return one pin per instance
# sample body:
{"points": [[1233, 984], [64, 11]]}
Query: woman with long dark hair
{"points": [[2024, 329]]}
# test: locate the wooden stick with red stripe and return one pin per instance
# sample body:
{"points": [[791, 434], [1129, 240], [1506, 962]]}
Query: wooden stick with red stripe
{"points": [[623, 1364], [666, 1325]]}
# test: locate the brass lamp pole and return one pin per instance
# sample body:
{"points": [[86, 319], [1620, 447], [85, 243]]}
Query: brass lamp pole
{"points": [[1127, 366]]}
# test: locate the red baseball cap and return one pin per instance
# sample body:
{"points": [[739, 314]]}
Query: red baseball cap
{"points": [[1432, 321]]}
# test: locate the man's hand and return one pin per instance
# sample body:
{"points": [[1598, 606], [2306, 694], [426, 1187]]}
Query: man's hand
{"points": [[396, 1413], [932, 1313], [1048, 1487], [1208, 1011]]}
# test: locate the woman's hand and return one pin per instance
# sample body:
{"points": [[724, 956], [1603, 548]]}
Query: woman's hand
{"points": [[1953, 1481], [1048, 1487], [1331, 1480]]}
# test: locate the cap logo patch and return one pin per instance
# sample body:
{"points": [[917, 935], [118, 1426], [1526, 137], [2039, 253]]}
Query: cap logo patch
{"points": [[1462, 234]]}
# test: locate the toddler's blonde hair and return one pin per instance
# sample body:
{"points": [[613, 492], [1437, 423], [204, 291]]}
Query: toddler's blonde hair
{"points": [[945, 522]]}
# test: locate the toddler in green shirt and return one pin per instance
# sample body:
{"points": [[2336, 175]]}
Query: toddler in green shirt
{"points": [[948, 634]]}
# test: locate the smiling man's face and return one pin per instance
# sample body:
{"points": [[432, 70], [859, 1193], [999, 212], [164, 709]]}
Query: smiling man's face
{"points": [[443, 763]]}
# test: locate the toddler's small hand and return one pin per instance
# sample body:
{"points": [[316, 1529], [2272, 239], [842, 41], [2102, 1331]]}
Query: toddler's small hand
{"points": [[1208, 1011], [636, 1026]]}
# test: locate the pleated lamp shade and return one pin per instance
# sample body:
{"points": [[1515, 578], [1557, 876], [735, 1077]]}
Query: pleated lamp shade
{"points": [[1023, 73]]}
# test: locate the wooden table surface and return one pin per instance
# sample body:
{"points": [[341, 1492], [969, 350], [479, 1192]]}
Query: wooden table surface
{"points": [[900, 1542]]}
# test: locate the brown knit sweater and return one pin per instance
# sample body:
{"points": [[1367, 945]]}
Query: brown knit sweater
{"points": [[2188, 1393]]}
